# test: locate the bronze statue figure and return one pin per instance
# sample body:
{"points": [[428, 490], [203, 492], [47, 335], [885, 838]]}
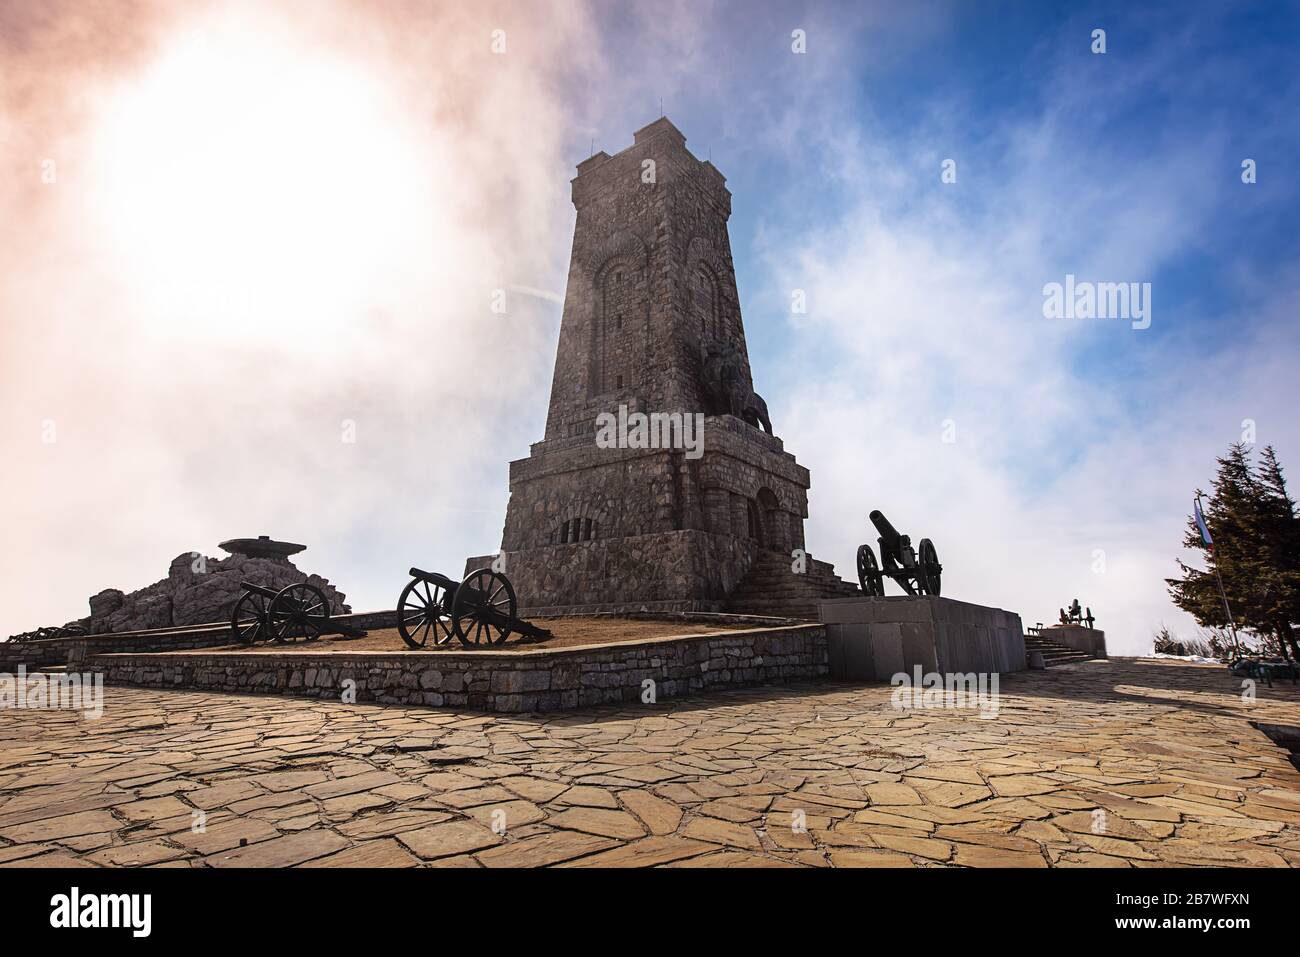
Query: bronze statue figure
{"points": [[724, 386]]}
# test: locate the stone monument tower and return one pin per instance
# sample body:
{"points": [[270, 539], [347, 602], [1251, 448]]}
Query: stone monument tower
{"points": [[651, 325]]}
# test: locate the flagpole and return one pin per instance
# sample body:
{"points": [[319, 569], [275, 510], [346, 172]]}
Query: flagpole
{"points": [[1232, 628]]}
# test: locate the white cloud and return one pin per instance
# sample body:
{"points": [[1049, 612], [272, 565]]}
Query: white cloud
{"points": [[925, 306], [267, 224]]}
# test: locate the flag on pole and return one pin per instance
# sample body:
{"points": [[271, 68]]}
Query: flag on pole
{"points": [[1205, 529]]}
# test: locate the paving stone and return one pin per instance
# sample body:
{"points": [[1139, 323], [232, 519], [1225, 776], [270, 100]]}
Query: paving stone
{"points": [[648, 852], [606, 823], [402, 792], [69, 825], [281, 852], [544, 850], [731, 859], [135, 855], [508, 814], [906, 822], [58, 859], [223, 834], [729, 811], [854, 858], [384, 825], [916, 846], [219, 795], [351, 784], [974, 855], [449, 839], [886, 793], [441, 781], [1110, 825], [475, 797], [350, 805], [1020, 785], [87, 842], [379, 853], [537, 790], [290, 780], [19, 851], [584, 796], [721, 832], [658, 815]]}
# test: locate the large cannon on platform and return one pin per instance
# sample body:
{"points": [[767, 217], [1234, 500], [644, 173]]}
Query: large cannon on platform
{"points": [[917, 570], [299, 611], [1076, 615], [479, 610]]}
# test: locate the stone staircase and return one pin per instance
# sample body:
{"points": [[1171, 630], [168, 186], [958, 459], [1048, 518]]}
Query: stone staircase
{"points": [[1054, 653], [772, 589]]}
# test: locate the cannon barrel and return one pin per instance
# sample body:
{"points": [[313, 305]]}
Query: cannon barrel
{"points": [[888, 534], [434, 578]]}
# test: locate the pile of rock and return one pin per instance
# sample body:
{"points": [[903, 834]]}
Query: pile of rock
{"points": [[198, 590]]}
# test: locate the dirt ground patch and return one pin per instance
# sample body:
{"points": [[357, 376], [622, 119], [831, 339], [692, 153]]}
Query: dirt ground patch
{"points": [[568, 632]]}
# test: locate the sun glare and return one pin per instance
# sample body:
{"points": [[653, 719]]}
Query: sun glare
{"points": [[248, 184]]}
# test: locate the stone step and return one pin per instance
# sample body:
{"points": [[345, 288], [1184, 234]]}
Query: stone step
{"points": [[771, 588], [1054, 653]]}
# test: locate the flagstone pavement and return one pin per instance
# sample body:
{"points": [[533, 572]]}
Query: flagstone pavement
{"points": [[1121, 763]]}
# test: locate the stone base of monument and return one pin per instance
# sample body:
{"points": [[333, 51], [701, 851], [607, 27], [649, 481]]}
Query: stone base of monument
{"points": [[877, 638], [680, 571], [1091, 641]]}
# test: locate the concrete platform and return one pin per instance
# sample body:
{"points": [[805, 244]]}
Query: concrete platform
{"points": [[877, 638]]}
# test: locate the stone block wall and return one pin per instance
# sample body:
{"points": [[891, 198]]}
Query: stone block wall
{"points": [[670, 571], [500, 681]]}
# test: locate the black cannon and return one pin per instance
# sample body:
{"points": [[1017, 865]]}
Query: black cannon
{"points": [[48, 631], [288, 614], [479, 610], [917, 571], [1075, 616]]}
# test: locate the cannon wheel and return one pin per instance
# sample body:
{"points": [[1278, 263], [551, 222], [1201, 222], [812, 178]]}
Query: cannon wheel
{"points": [[422, 614], [499, 594], [299, 611], [928, 570], [249, 619], [869, 577]]}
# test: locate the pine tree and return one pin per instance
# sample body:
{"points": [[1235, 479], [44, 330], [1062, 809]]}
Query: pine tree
{"points": [[1256, 551], [1278, 534]]}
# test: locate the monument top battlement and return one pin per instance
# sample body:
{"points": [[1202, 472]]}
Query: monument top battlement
{"points": [[669, 144]]}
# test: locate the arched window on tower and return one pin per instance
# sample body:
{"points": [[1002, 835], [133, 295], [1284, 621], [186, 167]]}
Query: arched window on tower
{"points": [[704, 303]]}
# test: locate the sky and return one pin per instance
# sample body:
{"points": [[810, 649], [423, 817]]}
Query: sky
{"points": [[247, 255]]}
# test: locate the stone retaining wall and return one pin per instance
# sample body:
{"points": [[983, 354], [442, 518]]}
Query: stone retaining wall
{"points": [[501, 681]]}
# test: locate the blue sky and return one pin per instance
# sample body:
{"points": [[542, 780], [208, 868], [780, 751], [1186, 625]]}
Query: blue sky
{"points": [[1211, 81]]}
